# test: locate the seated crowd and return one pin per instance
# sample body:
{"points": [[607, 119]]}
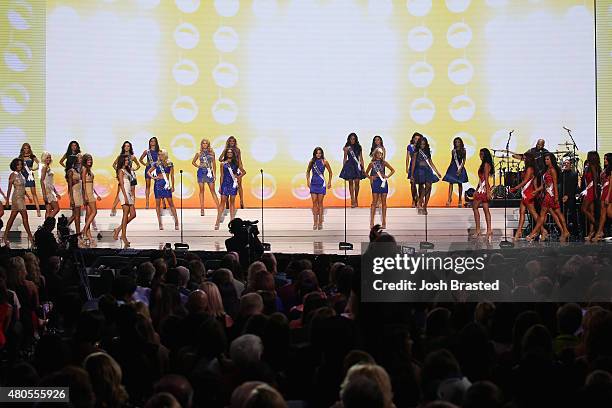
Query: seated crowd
{"points": [[170, 333]]}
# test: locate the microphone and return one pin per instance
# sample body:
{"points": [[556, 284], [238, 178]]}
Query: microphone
{"points": [[569, 130], [512, 131], [261, 171]]}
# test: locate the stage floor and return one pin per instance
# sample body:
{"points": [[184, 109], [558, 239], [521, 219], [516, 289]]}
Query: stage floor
{"points": [[289, 230]]}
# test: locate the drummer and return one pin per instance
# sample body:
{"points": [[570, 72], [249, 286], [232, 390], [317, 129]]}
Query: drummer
{"points": [[538, 152]]}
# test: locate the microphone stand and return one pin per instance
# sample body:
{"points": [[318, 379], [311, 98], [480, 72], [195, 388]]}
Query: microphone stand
{"points": [[426, 244], [181, 246], [504, 243], [344, 246], [266, 245], [575, 163]]}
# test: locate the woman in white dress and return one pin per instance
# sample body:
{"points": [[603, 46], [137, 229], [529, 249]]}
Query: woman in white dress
{"points": [[124, 176], [16, 185], [50, 194]]}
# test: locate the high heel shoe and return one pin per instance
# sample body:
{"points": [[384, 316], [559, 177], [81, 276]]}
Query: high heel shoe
{"points": [[314, 226], [176, 227], [113, 212], [320, 226], [448, 203], [489, 237], [161, 227], [116, 234], [216, 227], [598, 237], [544, 236], [201, 213]]}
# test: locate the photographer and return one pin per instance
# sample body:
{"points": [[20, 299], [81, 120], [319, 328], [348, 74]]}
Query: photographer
{"points": [[244, 241]]}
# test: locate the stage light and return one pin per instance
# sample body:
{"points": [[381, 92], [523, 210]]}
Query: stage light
{"points": [[188, 6], [17, 56], [20, 15], [183, 146], [269, 186]]}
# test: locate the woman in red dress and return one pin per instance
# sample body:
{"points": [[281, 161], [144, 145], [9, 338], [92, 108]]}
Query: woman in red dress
{"points": [[483, 193], [606, 196], [529, 191], [550, 204], [592, 170]]}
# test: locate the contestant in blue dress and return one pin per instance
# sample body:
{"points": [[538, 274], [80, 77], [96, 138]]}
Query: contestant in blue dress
{"points": [[232, 143], [163, 174], [456, 173], [353, 168], [204, 160], [230, 174], [151, 154], [30, 165], [380, 186], [318, 184], [423, 174], [416, 138]]}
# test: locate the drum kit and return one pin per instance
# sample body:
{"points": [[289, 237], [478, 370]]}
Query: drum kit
{"points": [[509, 170]]}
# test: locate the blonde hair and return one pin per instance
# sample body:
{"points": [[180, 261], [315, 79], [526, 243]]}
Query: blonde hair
{"points": [[44, 156], [106, 378], [376, 151], [32, 265], [207, 142], [163, 156], [215, 303], [375, 373]]}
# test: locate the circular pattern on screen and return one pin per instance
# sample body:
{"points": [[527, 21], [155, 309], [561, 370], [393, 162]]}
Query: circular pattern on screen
{"points": [[184, 109], [17, 56], [226, 39], [14, 98], [188, 6], [269, 186], [418, 8], [420, 38], [265, 8], [422, 110], [225, 111], [299, 188], [421, 74], [183, 146], [458, 6], [105, 181], [186, 36], [460, 71], [225, 75], [189, 185], [227, 8], [339, 190], [462, 108], [263, 149], [20, 15], [459, 35], [185, 72], [469, 142]]}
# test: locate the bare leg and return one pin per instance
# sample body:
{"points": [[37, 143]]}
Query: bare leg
{"points": [[536, 216], [115, 202], [213, 193], [320, 206], [232, 201], [147, 192], [521, 222], [587, 210], [77, 219], [487, 213], [373, 209], [352, 192], [92, 210], [158, 211], [173, 211], [413, 191], [602, 222], [475, 205], [427, 195], [560, 221], [460, 187], [201, 196], [383, 204], [240, 192], [356, 181], [540, 223], [35, 199], [220, 210], [450, 194], [124, 222], [9, 224], [315, 211]]}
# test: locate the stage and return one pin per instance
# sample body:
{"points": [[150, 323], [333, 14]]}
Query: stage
{"points": [[289, 230]]}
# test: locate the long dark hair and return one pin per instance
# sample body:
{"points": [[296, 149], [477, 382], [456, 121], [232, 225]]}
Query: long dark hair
{"points": [[14, 162], [356, 147], [223, 157], [529, 161], [414, 136], [374, 144], [121, 162], [69, 151], [461, 150], [553, 160], [593, 163], [486, 158], [426, 149], [131, 148], [227, 146], [149, 145], [608, 169], [314, 156], [71, 162]]}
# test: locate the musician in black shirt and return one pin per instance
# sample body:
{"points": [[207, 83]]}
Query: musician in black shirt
{"points": [[567, 190], [538, 153]]}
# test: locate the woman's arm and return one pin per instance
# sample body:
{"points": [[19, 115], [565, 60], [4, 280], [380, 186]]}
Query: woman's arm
{"points": [[115, 163], [43, 174], [83, 182], [329, 171], [63, 161], [121, 187], [407, 160], [150, 172], [345, 149], [387, 165], [434, 167], [367, 172], [361, 160], [35, 163], [136, 162], [220, 175], [413, 164], [212, 165], [529, 176], [555, 187], [195, 158], [10, 186], [142, 156], [172, 178], [308, 173]]}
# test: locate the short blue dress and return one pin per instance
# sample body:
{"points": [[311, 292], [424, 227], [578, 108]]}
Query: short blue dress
{"points": [[351, 170], [422, 172], [410, 150], [28, 162], [205, 171], [227, 186], [317, 180], [159, 188], [451, 173], [378, 166], [151, 159]]}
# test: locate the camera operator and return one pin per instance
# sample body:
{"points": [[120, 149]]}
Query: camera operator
{"points": [[244, 241]]}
